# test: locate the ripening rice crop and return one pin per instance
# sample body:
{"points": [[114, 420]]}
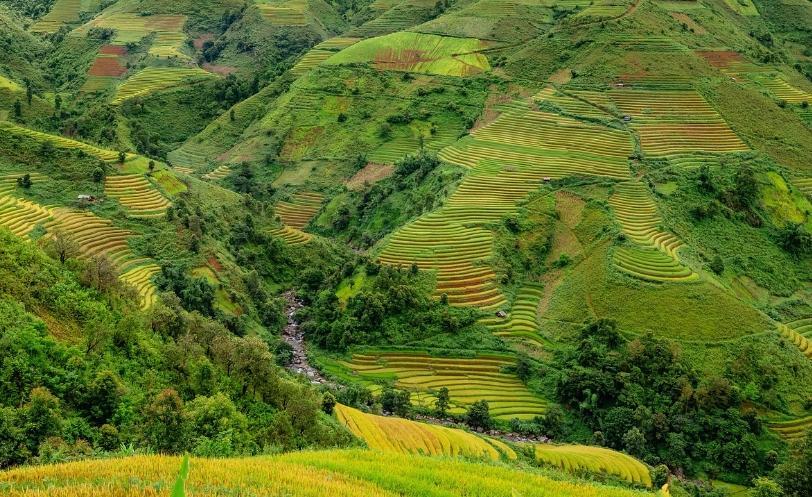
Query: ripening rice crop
{"points": [[300, 210], [292, 236], [154, 79], [418, 52], [60, 141], [731, 63], [796, 338], [336, 473], [594, 459], [219, 173], [508, 158], [467, 379], [141, 278], [311, 60], [135, 192], [790, 430], [410, 437], [652, 265], [21, 216], [62, 12], [786, 91], [287, 14], [522, 322]]}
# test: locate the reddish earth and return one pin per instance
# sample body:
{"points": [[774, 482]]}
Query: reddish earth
{"points": [[215, 264], [198, 43], [720, 59], [296, 148], [107, 66], [219, 70], [113, 50], [371, 174]]}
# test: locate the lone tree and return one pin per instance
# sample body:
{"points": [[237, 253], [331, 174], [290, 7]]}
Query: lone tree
{"points": [[24, 182], [58, 101], [18, 109], [151, 165], [62, 246], [442, 402], [121, 157], [479, 415], [98, 175]]}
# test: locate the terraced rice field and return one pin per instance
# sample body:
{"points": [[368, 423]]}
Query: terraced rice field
{"points": [[184, 170], [219, 173], [638, 217], [418, 52], [107, 66], [132, 28], [63, 12], [569, 105], [786, 91], [291, 236], [522, 322], [154, 79], [300, 210], [311, 60], [60, 141], [648, 44], [731, 63], [8, 183], [337, 43], [794, 333], [185, 160], [168, 44], [803, 184], [467, 380], [790, 430], [401, 16], [595, 460], [141, 278], [509, 159], [22, 216], [672, 122], [97, 83], [409, 437], [553, 145], [287, 14], [135, 192]]}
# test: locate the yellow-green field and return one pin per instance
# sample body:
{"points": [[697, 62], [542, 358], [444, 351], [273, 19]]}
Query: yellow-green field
{"points": [[467, 379], [337, 473], [154, 79], [595, 460], [410, 437]]}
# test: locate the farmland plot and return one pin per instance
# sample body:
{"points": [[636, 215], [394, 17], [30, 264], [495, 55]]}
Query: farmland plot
{"points": [[594, 459], [135, 192]]}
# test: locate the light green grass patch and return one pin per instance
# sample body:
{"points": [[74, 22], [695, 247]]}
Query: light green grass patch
{"points": [[222, 298], [783, 204], [7, 84], [418, 52], [743, 7], [168, 181], [350, 287]]}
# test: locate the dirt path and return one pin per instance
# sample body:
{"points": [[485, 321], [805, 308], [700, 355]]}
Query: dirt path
{"points": [[295, 338]]}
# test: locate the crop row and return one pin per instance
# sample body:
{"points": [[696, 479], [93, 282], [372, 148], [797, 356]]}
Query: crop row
{"points": [[168, 44], [663, 140], [97, 83], [568, 104], [648, 104], [300, 210], [291, 236], [310, 60], [637, 214], [790, 430], [545, 131], [141, 278], [337, 43], [648, 44], [410, 437], [467, 380], [283, 16], [21, 216], [797, 339], [652, 265], [522, 322], [60, 141], [137, 193], [308, 473], [786, 91], [802, 327], [594, 459], [219, 173], [154, 79], [62, 12]]}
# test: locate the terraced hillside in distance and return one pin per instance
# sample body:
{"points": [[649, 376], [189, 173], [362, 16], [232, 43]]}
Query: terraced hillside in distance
{"points": [[595, 459], [135, 192], [59, 141], [409, 437], [153, 79], [671, 122], [467, 379], [637, 214], [508, 158]]}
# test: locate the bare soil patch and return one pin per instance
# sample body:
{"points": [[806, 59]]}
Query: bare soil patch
{"points": [[371, 174]]}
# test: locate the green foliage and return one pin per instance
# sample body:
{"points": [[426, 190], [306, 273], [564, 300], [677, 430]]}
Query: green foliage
{"points": [[179, 489], [794, 475], [479, 415]]}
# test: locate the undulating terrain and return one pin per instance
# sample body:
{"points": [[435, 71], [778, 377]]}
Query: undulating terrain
{"points": [[406, 247]]}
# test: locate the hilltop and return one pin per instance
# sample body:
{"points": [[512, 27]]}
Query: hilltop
{"points": [[577, 222]]}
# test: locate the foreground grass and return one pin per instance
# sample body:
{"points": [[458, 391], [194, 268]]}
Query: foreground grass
{"points": [[334, 473]]}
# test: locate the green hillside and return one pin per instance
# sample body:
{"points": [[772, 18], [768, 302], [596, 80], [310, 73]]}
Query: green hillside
{"points": [[577, 234]]}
